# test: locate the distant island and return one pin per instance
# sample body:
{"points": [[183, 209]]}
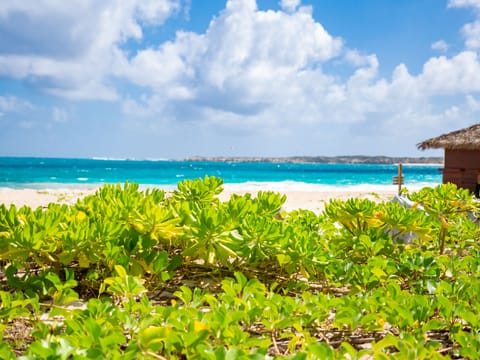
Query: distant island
{"points": [[350, 159]]}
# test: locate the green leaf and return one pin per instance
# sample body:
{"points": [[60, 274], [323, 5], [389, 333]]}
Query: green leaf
{"points": [[120, 270], [153, 338]]}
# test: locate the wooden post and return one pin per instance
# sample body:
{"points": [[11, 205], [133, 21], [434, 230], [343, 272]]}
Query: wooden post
{"points": [[398, 180]]}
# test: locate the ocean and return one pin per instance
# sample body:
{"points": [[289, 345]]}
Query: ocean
{"points": [[53, 173]]}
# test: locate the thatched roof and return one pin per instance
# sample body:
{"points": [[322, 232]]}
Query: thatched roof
{"points": [[464, 139]]}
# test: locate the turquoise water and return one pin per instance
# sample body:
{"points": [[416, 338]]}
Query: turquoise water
{"points": [[75, 173]]}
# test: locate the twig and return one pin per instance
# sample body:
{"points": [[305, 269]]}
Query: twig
{"points": [[275, 346], [156, 356]]}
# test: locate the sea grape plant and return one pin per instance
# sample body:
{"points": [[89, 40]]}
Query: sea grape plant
{"points": [[184, 275]]}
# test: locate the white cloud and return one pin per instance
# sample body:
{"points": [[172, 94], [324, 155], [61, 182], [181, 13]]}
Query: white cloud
{"points": [[155, 12], [69, 48], [290, 5], [156, 68], [9, 104], [450, 76], [265, 71], [440, 45], [251, 71], [464, 3], [246, 61], [471, 32], [59, 115], [473, 104], [356, 59]]}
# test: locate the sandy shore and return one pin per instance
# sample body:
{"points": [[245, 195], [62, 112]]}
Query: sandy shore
{"points": [[35, 198], [314, 200]]}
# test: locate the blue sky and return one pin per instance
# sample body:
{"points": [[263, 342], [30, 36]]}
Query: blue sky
{"points": [[179, 78]]}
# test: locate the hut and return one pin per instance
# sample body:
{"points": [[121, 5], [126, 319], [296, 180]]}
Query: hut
{"points": [[462, 155]]}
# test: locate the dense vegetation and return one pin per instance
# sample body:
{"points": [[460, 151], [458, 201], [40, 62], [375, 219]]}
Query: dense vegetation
{"points": [[138, 274]]}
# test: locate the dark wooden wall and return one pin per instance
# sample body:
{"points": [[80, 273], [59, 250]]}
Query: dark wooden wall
{"points": [[462, 168]]}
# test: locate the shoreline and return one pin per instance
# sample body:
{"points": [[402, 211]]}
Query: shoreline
{"points": [[292, 159], [338, 159], [313, 198]]}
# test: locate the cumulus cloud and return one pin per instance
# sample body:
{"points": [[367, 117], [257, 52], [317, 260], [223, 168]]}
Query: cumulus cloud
{"points": [[265, 71], [440, 45], [290, 5], [251, 70], [247, 61], [464, 3], [459, 74], [471, 32], [70, 53]]}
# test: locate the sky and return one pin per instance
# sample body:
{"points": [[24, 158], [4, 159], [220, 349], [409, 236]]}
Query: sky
{"points": [[171, 79]]}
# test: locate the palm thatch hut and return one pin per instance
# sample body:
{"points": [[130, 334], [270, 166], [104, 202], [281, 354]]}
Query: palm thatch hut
{"points": [[462, 155]]}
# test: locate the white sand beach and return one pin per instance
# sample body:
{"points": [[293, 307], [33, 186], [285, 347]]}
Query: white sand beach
{"points": [[315, 200], [310, 199], [35, 198]]}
